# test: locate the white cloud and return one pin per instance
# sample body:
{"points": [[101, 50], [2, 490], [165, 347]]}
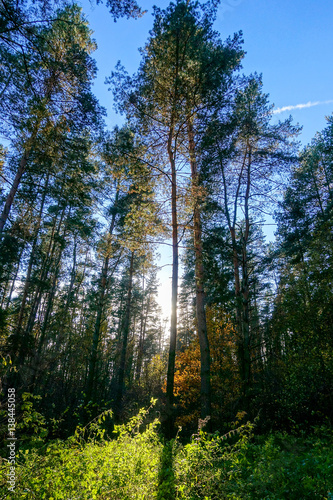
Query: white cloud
{"points": [[301, 106]]}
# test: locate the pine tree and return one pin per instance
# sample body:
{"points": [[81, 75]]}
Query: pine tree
{"points": [[184, 72], [249, 156]]}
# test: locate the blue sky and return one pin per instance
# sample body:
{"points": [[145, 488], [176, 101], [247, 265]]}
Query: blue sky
{"points": [[289, 42]]}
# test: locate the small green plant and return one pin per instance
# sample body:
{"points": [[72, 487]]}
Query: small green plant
{"points": [[32, 426], [138, 465], [90, 466]]}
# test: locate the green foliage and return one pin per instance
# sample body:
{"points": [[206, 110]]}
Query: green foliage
{"points": [[167, 476], [137, 465], [32, 425], [86, 467], [206, 466], [301, 336], [274, 467], [124, 8]]}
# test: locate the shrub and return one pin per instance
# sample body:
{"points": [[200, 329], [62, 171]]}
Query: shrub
{"points": [[136, 465], [89, 467]]}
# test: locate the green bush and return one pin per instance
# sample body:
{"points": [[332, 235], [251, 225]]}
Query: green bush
{"points": [[275, 467], [138, 465], [89, 467]]}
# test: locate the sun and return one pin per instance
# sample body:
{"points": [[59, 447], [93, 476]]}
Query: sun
{"points": [[164, 297]]}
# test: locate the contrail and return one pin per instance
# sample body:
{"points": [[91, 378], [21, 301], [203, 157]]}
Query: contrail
{"points": [[300, 106]]}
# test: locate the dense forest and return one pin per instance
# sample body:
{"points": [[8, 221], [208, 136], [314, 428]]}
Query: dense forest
{"points": [[238, 383]]}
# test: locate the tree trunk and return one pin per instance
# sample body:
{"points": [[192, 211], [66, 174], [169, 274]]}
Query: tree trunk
{"points": [[49, 306], [126, 326], [246, 349], [23, 351], [12, 192], [246, 354], [144, 316], [174, 294], [199, 283], [19, 325], [36, 362], [99, 316], [12, 288], [18, 176]]}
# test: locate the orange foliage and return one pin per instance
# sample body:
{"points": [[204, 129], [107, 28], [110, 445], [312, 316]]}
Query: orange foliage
{"points": [[224, 372]]}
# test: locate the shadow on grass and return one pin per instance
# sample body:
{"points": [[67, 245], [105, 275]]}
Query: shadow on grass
{"points": [[166, 477]]}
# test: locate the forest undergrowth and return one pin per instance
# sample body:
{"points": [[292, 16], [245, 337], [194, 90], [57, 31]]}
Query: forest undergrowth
{"points": [[135, 462]]}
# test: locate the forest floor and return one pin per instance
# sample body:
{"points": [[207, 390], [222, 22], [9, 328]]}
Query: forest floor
{"points": [[138, 464]]}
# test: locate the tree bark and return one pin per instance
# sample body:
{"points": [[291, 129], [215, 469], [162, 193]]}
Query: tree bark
{"points": [[174, 293], [99, 316], [246, 369], [19, 325], [144, 316], [12, 192], [199, 283], [126, 326], [20, 171]]}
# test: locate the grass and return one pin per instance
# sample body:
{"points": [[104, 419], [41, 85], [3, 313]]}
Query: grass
{"points": [[138, 465]]}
